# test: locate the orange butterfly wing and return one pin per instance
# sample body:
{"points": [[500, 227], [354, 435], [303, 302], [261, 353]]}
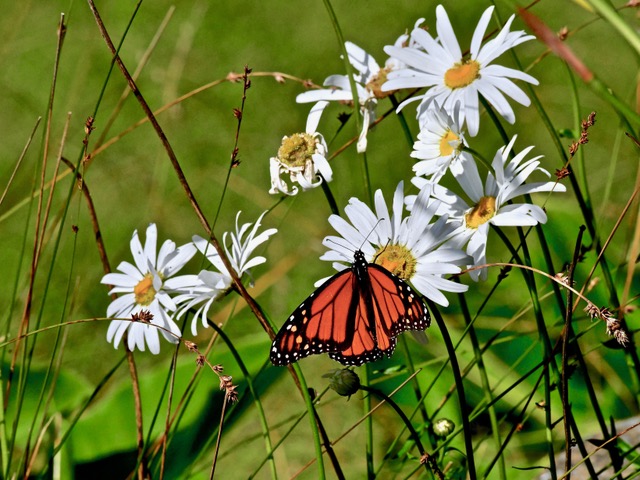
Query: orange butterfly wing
{"points": [[395, 308], [318, 324], [354, 316]]}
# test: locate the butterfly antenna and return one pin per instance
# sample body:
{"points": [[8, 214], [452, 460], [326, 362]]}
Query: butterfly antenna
{"points": [[370, 232], [355, 247]]}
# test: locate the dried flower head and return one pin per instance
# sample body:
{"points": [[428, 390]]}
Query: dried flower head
{"points": [[192, 347], [563, 33], [144, 316], [614, 327], [227, 385], [562, 173], [591, 310], [563, 278]]}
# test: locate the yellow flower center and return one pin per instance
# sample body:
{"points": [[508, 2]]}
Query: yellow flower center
{"points": [[375, 84], [398, 259], [481, 213], [297, 149], [462, 74], [445, 147], [144, 291]]}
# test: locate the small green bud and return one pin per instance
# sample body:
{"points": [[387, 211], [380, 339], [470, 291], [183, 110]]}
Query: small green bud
{"points": [[443, 427], [344, 381]]}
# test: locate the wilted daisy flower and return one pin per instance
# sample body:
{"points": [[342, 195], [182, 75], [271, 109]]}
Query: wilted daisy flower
{"points": [[409, 247], [440, 143], [302, 156], [405, 40], [489, 204], [451, 78], [368, 81], [208, 286], [146, 287]]}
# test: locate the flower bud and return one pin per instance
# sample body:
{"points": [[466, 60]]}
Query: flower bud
{"points": [[344, 381], [443, 427]]}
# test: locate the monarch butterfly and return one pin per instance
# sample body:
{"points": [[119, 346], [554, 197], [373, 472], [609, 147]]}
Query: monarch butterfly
{"points": [[355, 317]]}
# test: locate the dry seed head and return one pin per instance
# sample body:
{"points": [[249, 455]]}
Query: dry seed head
{"points": [[562, 173], [192, 347], [144, 316]]}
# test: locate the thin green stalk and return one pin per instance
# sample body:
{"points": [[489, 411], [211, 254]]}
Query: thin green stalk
{"points": [[254, 393], [591, 224], [584, 202], [234, 162], [82, 408], [327, 443], [39, 230], [286, 434], [330, 198], [587, 212], [548, 422], [50, 367], [403, 417], [518, 424], [607, 11], [455, 368], [564, 390], [546, 342], [484, 378], [7, 444], [314, 426], [348, 68], [58, 239], [416, 384], [403, 121], [170, 383], [366, 403]]}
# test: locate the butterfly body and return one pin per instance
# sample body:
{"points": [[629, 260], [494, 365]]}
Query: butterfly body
{"points": [[355, 317]]}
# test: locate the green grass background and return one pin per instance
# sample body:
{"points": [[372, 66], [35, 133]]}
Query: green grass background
{"points": [[132, 184]]}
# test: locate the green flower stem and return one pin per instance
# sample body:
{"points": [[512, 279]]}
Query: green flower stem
{"points": [[366, 402], [348, 68], [403, 121], [484, 378], [312, 419], [548, 421], [416, 384], [327, 443], [330, 198], [298, 376], [455, 368], [403, 417]]}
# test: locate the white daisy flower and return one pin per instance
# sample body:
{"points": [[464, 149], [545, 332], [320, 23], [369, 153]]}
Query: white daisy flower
{"points": [[146, 287], [489, 204], [368, 81], [208, 286], [303, 157], [451, 78], [411, 247], [440, 143]]}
